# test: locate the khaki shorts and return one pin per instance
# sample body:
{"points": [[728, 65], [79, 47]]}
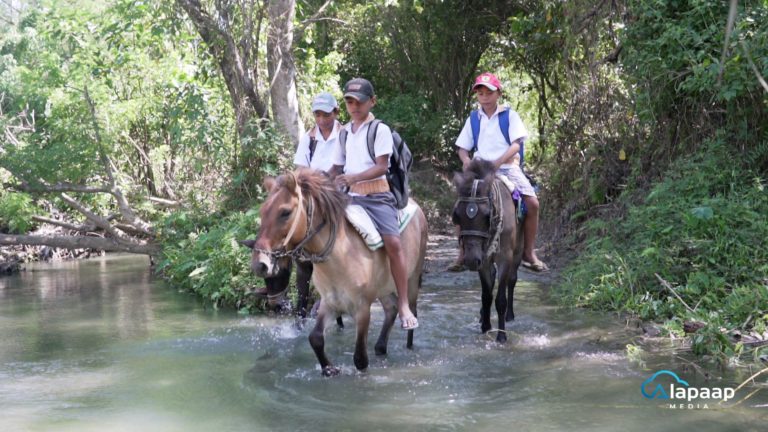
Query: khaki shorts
{"points": [[515, 174], [381, 208]]}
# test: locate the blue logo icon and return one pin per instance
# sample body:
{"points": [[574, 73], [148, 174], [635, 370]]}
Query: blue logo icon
{"points": [[658, 391]]}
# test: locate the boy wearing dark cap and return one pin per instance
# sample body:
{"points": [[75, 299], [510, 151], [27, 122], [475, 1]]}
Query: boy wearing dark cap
{"points": [[367, 182]]}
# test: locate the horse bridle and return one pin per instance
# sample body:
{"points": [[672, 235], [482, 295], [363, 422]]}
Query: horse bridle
{"points": [[497, 213], [298, 252]]}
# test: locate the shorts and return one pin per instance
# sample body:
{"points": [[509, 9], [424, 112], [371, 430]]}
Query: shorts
{"points": [[515, 174], [381, 207]]}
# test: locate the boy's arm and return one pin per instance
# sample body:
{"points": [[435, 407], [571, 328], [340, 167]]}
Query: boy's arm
{"points": [[376, 171], [508, 155], [301, 158], [464, 143], [465, 159], [335, 171]]}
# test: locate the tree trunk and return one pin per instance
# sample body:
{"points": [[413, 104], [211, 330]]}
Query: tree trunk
{"points": [[238, 59], [79, 242], [282, 69]]}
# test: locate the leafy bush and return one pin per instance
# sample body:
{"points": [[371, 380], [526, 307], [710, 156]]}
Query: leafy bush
{"points": [[429, 135], [265, 152], [16, 211], [201, 254], [702, 229]]}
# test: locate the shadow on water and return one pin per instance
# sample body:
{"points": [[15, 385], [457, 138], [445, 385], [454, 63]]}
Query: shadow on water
{"points": [[102, 345]]}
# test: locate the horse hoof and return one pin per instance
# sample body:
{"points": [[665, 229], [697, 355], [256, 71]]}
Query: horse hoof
{"points": [[331, 371], [380, 351], [509, 318], [501, 338]]}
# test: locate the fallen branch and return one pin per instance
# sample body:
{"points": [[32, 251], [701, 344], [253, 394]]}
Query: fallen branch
{"points": [[80, 242], [67, 225], [666, 285], [55, 188], [165, 202]]}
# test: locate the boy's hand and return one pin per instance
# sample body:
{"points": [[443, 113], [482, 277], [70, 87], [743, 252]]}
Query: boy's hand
{"points": [[345, 180]]}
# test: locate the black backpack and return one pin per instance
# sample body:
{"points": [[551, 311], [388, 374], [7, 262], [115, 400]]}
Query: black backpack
{"points": [[400, 161]]}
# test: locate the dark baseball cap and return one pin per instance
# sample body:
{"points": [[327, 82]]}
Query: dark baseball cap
{"points": [[358, 88]]}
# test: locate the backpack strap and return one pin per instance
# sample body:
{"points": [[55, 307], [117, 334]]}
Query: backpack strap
{"points": [[312, 142], [371, 138], [504, 126], [474, 122]]}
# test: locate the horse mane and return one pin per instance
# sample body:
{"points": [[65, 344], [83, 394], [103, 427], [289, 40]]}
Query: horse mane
{"points": [[329, 200], [478, 169]]}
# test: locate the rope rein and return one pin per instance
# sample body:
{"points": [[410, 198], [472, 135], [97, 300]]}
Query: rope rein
{"points": [[295, 223], [498, 211]]}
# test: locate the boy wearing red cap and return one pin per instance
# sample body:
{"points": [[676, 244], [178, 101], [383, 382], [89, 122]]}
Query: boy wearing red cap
{"points": [[491, 144], [367, 182]]}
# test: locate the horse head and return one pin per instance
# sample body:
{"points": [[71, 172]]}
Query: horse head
{"points": [[474, 210], [283, 225]]}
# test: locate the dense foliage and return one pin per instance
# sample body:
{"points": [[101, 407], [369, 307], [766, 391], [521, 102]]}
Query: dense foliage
{"points": [[647, 117], [701, 121], [201, 254], [702, 230]]}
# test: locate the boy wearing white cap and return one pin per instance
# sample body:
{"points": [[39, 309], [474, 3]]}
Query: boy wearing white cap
{"points": [[316, 147], [315, 150]]}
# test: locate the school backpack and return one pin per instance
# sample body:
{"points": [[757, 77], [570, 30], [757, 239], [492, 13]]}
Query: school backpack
{"points": [[474, 121], [400, 161]]}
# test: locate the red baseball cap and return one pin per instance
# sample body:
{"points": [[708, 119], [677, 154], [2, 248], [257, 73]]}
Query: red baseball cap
{"points": [[489, 80]]}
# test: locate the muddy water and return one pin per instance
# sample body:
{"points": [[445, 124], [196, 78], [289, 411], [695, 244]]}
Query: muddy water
{"points": [[102, 345]]}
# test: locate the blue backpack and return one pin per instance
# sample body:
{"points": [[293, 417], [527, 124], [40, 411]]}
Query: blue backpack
{"points": [[474, 121]]}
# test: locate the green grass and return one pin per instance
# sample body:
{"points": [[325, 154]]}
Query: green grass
{"points": [[702, 229]]}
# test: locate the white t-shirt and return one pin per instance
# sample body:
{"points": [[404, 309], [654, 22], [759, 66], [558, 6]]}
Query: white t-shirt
{"points": [[323, 157], [357, 157], [491, 144]]}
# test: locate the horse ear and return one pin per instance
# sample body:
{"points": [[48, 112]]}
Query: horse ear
{"points": [[289, 181], [269, 183], [248, 243]]}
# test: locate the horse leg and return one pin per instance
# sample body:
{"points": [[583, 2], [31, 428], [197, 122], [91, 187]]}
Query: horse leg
{"points": [[317, 341], [487, 283], [414, 286], [510, 296], [362, 319], [516, 260], [303, 275], [388, 303], [501, 304]]}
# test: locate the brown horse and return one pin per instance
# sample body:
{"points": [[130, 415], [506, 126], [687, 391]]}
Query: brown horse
{"points": [[304, 217], [491, 238]]}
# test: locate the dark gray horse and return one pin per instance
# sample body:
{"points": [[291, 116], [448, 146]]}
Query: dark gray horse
{"points": [[491, 238]]}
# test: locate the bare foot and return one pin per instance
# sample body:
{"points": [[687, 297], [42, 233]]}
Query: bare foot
{"points": [[409, 323]]}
